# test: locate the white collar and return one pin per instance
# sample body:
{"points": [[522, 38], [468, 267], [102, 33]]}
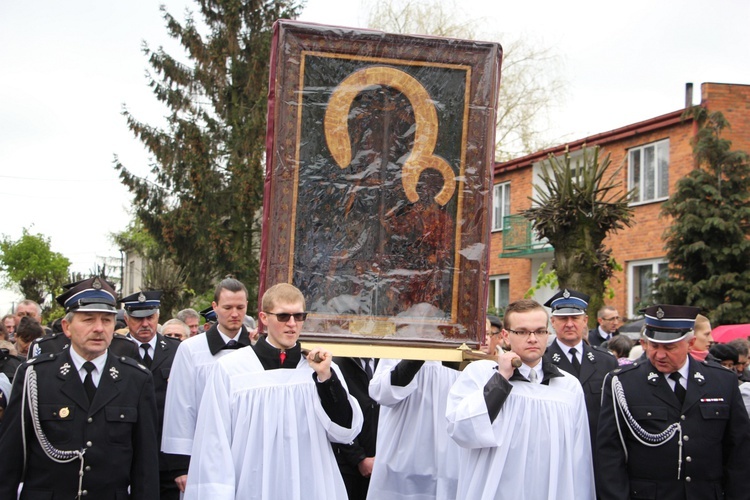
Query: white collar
{"points": [[78, 360], [225, 337], [566, 349], [151, 342], [525, 370]]}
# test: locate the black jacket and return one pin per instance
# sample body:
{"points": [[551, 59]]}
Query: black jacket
{"points": [[595, 339], [715, 437], [349, 456], [118, 431], [595, 364]]}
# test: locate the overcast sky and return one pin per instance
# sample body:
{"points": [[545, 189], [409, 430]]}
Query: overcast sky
{"points": [[66, 69]]}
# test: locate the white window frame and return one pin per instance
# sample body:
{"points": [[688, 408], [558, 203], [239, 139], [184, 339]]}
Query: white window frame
{"points": [[500, 205], [659, 172], [632, 266], [494, 291]]}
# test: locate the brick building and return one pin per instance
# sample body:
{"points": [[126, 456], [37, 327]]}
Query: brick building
{"points": [[654, 154]]}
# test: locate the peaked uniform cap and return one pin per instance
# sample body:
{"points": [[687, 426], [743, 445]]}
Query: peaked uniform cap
{"points": [[568, 302], [142, 304], [666, 323], [89, 295], [209, 314]]}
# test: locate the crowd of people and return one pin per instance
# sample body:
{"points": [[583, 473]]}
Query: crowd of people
{"points": [[109, 403]]}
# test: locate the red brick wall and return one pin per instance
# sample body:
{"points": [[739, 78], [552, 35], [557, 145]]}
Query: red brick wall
{"points": [[644, 240]]}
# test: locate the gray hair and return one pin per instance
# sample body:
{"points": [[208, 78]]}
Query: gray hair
{"points": [[187, 313], [175, 321]]}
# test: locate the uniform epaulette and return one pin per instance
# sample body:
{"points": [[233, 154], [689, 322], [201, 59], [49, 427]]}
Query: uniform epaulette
{"points": [[601, 350], [713, 364], [41, 358], [625, 368], [132, 362], [45, 338]]}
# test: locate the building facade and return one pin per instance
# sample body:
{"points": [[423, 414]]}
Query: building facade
{"points": [[654, 155]]}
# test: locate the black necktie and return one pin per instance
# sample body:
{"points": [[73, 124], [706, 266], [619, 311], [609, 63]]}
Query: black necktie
{"points": [[88, 382], [146, 358], [232, 344], [368, 369], [679, 391], [574, 360]]}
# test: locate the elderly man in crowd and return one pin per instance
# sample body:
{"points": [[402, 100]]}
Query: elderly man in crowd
{"points": [[81, 423], [672, 427]]}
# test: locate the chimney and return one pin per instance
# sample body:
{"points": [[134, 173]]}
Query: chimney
{"points": [[688, 95]]}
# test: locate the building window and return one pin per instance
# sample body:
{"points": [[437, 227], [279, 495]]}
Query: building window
{"points": [[499, 295], [500, 205], [643, 276], [648, 171]]}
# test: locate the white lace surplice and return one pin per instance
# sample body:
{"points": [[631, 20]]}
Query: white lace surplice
{"points": [[538, 447], [187, 380], [416, 459], [264, 435]]}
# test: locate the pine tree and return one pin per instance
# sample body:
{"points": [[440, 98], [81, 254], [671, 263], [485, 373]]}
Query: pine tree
{"points": [[203, 202], [708, 242], [577, 204]]}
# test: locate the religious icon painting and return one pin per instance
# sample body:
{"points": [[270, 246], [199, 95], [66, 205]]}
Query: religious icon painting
{"points": [[379, 171]]}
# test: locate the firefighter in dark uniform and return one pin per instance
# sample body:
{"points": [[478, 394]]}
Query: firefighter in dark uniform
{"points": [[81, 423], [57, 341], [570, 353], [156, 352], [672, 427]]}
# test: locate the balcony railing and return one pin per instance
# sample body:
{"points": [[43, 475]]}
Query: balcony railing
{"points": [[519, 239]]}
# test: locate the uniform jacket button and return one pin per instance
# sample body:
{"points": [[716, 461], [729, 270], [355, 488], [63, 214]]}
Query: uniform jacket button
{"points": [[89, 444]]}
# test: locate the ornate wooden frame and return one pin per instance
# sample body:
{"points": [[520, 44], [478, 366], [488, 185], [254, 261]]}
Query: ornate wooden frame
{"points": [[439, 96]]}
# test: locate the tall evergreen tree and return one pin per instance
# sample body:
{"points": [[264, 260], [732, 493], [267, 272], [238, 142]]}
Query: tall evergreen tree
{"points": [[578, 203], [203, 202], [708, 242]]}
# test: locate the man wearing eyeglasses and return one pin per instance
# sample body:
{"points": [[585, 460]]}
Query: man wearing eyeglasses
{"points": [[523, 431], [195, 358], [269, 414], [570, 353], [609, 322]]}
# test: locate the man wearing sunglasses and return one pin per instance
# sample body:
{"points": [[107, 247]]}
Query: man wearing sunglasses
{"points": [[523, 429], [194, 360], [269, 414]]}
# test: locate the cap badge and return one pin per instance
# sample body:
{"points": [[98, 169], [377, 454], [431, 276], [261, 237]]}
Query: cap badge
{"points": [[141, 297], [660, 313], [591, 357], [114, 373], [566, 293], [556, 358], [64, 412], [96, 284], [652, 376], [64, 369]]}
